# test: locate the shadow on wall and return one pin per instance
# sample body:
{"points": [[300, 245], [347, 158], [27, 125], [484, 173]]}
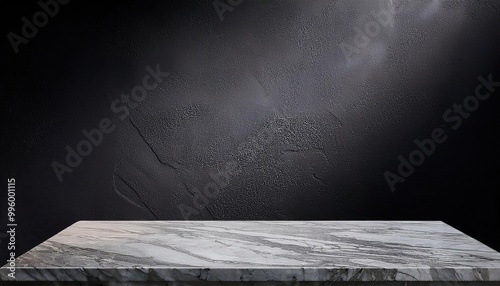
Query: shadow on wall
{"points": [[251, 110]]}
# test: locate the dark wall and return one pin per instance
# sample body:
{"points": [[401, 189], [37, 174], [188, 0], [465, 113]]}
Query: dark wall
{"points": [[282, 110]]}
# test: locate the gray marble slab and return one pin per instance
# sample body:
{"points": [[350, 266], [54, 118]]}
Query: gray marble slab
{"points": [[282, 251]]}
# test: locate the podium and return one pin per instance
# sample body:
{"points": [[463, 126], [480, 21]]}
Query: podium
{"points": [[396, 253]]}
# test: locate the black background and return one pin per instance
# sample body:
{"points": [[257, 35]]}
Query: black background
{"points": [[337, 126]]}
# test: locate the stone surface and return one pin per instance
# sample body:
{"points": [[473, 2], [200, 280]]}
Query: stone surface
{"points": [[259, 251], [336, 126]]}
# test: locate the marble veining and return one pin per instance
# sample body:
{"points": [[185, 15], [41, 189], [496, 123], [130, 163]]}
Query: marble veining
{"points": [[258, 251]]}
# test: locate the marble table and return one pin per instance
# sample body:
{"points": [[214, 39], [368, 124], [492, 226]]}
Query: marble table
{"points": [[258, 252]]}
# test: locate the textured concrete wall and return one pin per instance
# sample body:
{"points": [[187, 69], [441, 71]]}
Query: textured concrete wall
{"points": [[281, 110]]}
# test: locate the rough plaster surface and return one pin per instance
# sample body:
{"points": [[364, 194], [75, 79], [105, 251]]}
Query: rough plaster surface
{"points": [[272, 68]]}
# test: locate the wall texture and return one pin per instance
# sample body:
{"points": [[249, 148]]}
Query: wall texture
{"points": [[272, 110]]}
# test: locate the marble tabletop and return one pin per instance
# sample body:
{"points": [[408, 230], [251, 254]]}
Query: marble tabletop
{"points": [[258, 251]]}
